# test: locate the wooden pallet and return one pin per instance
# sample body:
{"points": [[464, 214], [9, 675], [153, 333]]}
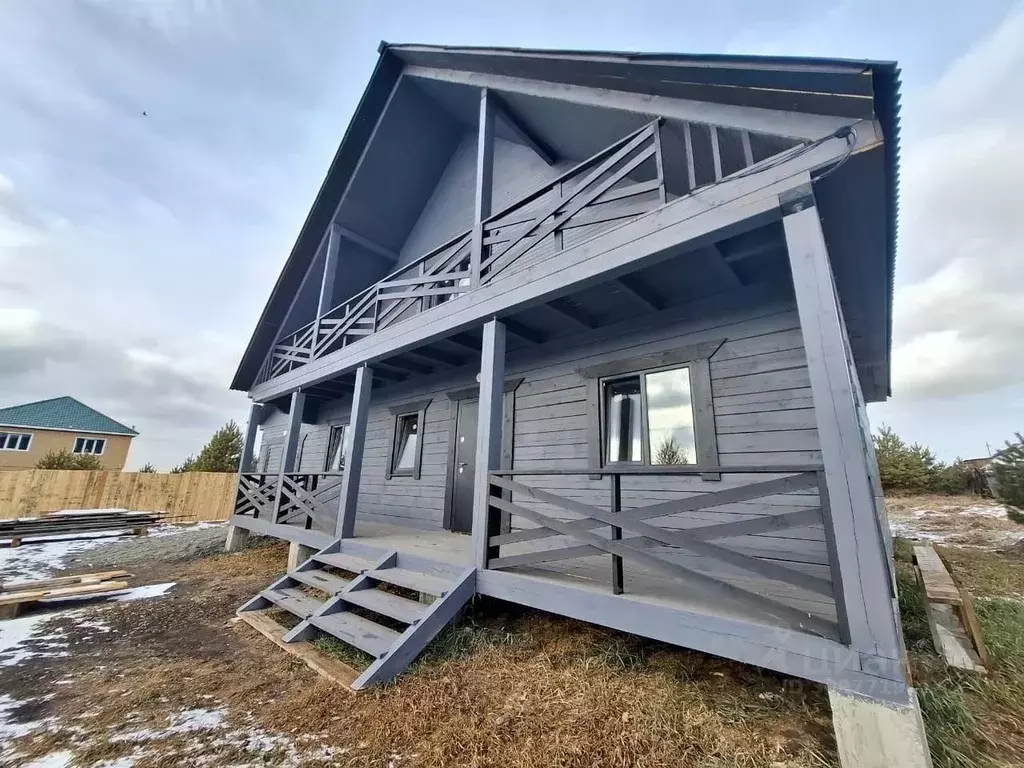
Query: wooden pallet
{"points": [[15, 596], [330, 668], [950, 610]]}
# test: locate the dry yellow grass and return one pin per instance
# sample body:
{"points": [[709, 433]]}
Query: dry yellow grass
{"points": [[503, 689]]}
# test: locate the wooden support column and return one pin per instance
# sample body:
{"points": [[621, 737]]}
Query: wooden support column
{"points": [[355, 439], [237, 537], [326, 302], [484, 182], [864, 598], [291, 446], [488, 437]]}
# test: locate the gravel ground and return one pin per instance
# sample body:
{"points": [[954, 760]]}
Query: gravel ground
{"points": [[159, 546]]}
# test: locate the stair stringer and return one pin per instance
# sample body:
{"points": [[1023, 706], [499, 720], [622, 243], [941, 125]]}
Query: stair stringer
{"points": [[305, 630], [417, 636], [259, 602]]}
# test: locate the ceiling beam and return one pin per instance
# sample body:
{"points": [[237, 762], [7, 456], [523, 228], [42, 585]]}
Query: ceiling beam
{"points": [[524, 134], [723, 266], [464, 340], [524, 332], [794, 125], [409, 365], [572, 312], [380, 371], [438, 357], [633, 288], [365, 242]]}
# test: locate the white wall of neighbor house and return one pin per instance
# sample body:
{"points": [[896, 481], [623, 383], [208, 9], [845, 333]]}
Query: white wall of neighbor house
{"points": [[763, 411]]}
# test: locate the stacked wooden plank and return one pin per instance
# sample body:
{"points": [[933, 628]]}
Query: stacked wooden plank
{"points": [[64, 524], [14, 596], [950, 609]]}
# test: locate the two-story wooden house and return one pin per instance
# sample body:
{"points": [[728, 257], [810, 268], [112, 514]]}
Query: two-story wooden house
{"points": [[593, 333]]}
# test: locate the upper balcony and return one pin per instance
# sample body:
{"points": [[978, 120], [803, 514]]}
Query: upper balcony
{"points": [[621, 182], [461, 201]]}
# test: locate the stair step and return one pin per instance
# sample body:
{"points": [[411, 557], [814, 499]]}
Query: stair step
{"points": [[293, 600], [414, 580], [325, 582], [387, 604], [344, 562], [364, 634]]}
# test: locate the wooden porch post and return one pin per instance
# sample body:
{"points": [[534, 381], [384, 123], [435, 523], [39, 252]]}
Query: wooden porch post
{"points": [[326, 302], [484, 179], [864, 593], [251, 428], [488, 434], [237, 537], [355, 439], [291, 445]]}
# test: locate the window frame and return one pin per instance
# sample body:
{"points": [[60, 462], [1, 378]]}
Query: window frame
{"points": [[343, 426], [419, 410], [17, 437], [695, 357], [85, 441]]}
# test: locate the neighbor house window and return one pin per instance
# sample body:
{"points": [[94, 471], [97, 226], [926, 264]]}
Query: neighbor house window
{"points": [[407, 440], [336, 449], [89, 445], [654, 410], [649, 418], [15, 441]]}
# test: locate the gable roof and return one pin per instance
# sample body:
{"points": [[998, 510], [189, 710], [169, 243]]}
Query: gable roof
{"points": [[63, 413], [815, 80]]}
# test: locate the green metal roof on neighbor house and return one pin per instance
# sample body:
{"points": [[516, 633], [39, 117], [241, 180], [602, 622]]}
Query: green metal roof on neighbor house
{"points": [[63, 413]]}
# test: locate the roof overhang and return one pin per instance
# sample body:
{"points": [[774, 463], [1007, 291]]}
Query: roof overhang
{"points": [[812, 85]]}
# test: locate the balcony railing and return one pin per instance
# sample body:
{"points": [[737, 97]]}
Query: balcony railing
{"points": [[308, 500], [579, 204]]}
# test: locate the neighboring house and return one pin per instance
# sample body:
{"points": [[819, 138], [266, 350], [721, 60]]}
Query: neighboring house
{"points": [[30, 431], [616, 318]]}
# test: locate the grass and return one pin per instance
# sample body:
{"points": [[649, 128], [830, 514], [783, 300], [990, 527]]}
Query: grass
{"points": [[972, 721]]}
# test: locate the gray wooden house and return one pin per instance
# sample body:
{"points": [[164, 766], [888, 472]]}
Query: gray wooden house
{"points": [[592, 333]]}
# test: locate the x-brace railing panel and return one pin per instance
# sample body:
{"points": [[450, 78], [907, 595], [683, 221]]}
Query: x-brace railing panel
{"points": [[256, 494], [649, 543]]}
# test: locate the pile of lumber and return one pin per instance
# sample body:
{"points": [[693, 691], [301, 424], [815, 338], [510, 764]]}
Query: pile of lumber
{"points": [[63, 524], [14, 596], [950, 609]]}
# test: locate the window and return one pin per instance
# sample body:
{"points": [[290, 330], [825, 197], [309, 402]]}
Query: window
{"points": [[15, 441], [336, 449], [653, 410], [649, 418], [407, 440], [90, 445]]}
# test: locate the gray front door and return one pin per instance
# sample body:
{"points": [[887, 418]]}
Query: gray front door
{"points": [[465, 465]]}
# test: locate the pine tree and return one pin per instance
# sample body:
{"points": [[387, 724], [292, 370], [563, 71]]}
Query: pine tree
{"points": [[1008, 469], [901, 467], [188, 465], [670, 452], [147, 468], [64, 459]]}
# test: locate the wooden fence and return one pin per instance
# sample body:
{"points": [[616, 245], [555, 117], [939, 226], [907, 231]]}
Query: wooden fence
{"points": [[186, 497]]}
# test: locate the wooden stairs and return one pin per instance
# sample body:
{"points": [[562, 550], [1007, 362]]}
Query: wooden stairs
{"points": [[363, 596]]}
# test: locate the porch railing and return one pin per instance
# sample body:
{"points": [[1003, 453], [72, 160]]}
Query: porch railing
{"points": [[595, 530], [292, 498], [586, 200]]}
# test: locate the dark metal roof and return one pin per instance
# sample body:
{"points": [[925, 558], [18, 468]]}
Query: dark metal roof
{"points": [[637, 71]]}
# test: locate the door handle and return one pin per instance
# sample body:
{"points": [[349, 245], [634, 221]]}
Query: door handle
{"points": [[462, 465]]}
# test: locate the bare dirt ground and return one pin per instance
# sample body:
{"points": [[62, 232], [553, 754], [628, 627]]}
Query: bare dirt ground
{"points": [[168, 679], [171, 680], [964, 521]]}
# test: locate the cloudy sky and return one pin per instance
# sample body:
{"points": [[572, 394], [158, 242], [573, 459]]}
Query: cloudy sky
{"points": [[157, 159]]}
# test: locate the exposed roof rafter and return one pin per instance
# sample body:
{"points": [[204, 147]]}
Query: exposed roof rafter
{"points": [[525, 135]]}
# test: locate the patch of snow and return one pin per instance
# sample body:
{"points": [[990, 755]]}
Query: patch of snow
{"points": [[16, 633], [141, 593], [62, 759], [199, 719], [167, 529]]}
